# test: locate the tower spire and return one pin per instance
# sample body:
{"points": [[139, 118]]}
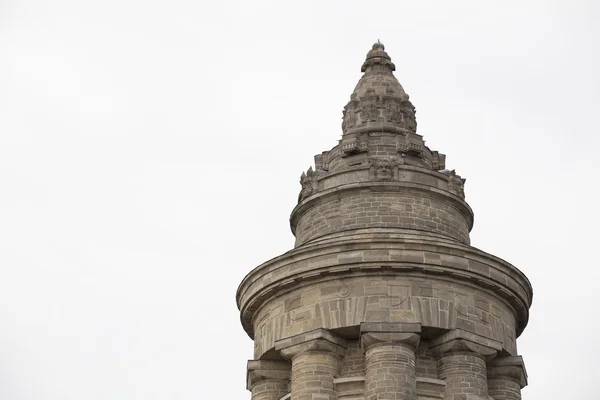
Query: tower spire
{"points": [[382, 277], [377, 55], [378, 103]]}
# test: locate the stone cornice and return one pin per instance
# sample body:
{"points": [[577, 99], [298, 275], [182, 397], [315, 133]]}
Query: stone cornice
{"points": [[326, 261], [365, 168], [337, 150]]}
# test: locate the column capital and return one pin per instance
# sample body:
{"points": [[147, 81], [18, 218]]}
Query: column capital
{"points": [[372, 334], [458, 340], [511, 367], [259, 370], [316, 340]]}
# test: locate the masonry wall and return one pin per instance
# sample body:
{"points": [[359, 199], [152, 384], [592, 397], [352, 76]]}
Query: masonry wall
{"points": [[367, 209]]}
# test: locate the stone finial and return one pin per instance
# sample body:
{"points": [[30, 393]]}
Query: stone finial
{"points": [[378, 56]]}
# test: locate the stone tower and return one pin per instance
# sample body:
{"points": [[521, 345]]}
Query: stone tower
{"points": [[383, 297]]}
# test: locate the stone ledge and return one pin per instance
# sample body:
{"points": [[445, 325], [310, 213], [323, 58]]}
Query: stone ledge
{"points": [[350, 387], [430, 388], [359, 234], [349, 379], [364, 169]]}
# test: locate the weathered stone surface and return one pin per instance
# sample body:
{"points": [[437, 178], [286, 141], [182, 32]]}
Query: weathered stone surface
{"points": [[387, 204], [390, 370], [383, 297], [268, 380], [461, 341], [506, 377], [430, 388], [349, 388], [348, 298], [318, 340]]}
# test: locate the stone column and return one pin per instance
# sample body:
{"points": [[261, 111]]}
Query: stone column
{"points": [[390, 360], [268, 380], [506, 378], [461, 361], [315, 357]]}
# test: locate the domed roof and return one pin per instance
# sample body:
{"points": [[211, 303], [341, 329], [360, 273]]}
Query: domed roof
{"points": [[379, 103]]}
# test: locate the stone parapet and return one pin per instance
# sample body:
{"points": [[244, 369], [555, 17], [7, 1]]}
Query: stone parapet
{"points": [[419, 202]]}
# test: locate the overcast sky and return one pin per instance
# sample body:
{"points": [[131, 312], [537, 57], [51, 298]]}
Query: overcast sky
{"points": [[150, 153]]}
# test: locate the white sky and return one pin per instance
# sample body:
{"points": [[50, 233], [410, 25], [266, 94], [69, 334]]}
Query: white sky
{"points": [[150, 154]]}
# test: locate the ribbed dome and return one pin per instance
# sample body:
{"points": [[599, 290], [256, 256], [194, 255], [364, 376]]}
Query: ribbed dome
{"points": [[379, 103]]}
